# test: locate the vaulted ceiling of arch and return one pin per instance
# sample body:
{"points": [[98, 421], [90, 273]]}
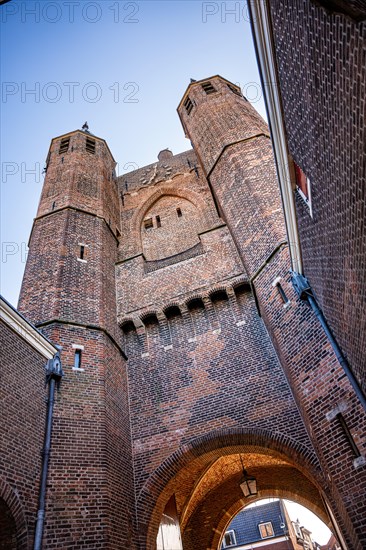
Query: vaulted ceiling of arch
{"points": [[217, 497], [228, 468], [207, 491]]}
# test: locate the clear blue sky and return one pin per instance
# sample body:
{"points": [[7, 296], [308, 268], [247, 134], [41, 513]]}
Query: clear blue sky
{"points": [[123, 67]]}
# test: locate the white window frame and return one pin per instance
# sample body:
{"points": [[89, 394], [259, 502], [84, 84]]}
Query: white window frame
{"points": [[260, 532], [306, 200], [231, 532]]}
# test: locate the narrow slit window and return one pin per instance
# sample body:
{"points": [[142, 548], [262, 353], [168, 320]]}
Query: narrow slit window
{"points": [[282, 293], [235, 90], [77, 359], [90, 145], [208, 88], [188, 104], [158, 221], [64, 146], [348, 434], [303, 186], [148, 224], [179, 212], [82, 252]]}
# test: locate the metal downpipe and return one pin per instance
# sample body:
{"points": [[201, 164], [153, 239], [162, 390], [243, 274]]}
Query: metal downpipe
{"points": [[53, 376]]}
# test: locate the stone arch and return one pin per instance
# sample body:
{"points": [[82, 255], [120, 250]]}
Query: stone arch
{"points": [[172, 226], [11, 499], [204, 450], [217, 291], [241, 282], [195, 300]]}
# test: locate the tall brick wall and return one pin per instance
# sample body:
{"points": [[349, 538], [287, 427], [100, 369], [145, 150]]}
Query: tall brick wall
{"points": [[23, 411], [315, 376], [323, 87], [69, 291], [209, 366], [205, 376]]}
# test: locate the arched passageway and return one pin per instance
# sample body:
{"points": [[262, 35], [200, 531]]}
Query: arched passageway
{"points": [[218, 497], [14, 532], [8, 531], [205, 477]]}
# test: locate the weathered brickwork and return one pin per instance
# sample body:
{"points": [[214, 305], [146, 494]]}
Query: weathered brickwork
{"points": [[198, 353], [212, 136], [216, 264], [197, 373], [178, 180], [74, 241], [166, 242], [315, 376], [23, 409], [323, 86], [56, 241], [320, 386], [80, 177]]}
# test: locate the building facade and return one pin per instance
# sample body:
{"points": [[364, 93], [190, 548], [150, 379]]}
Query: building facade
{"points": [[186, 350], [268, 526]]}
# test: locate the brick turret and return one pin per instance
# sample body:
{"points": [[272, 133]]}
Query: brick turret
{"points": [[74, 240], [69, 292], [232, 142]]}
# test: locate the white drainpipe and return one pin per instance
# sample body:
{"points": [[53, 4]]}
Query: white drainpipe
{"points": [[262, 34]]}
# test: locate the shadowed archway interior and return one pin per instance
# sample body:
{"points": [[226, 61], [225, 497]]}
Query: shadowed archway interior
{"points": [[208, 495], [8, 532]]}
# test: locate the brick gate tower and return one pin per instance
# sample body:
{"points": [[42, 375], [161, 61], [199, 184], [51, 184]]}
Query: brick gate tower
{"points": [[68, 292], [182, 267]]}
